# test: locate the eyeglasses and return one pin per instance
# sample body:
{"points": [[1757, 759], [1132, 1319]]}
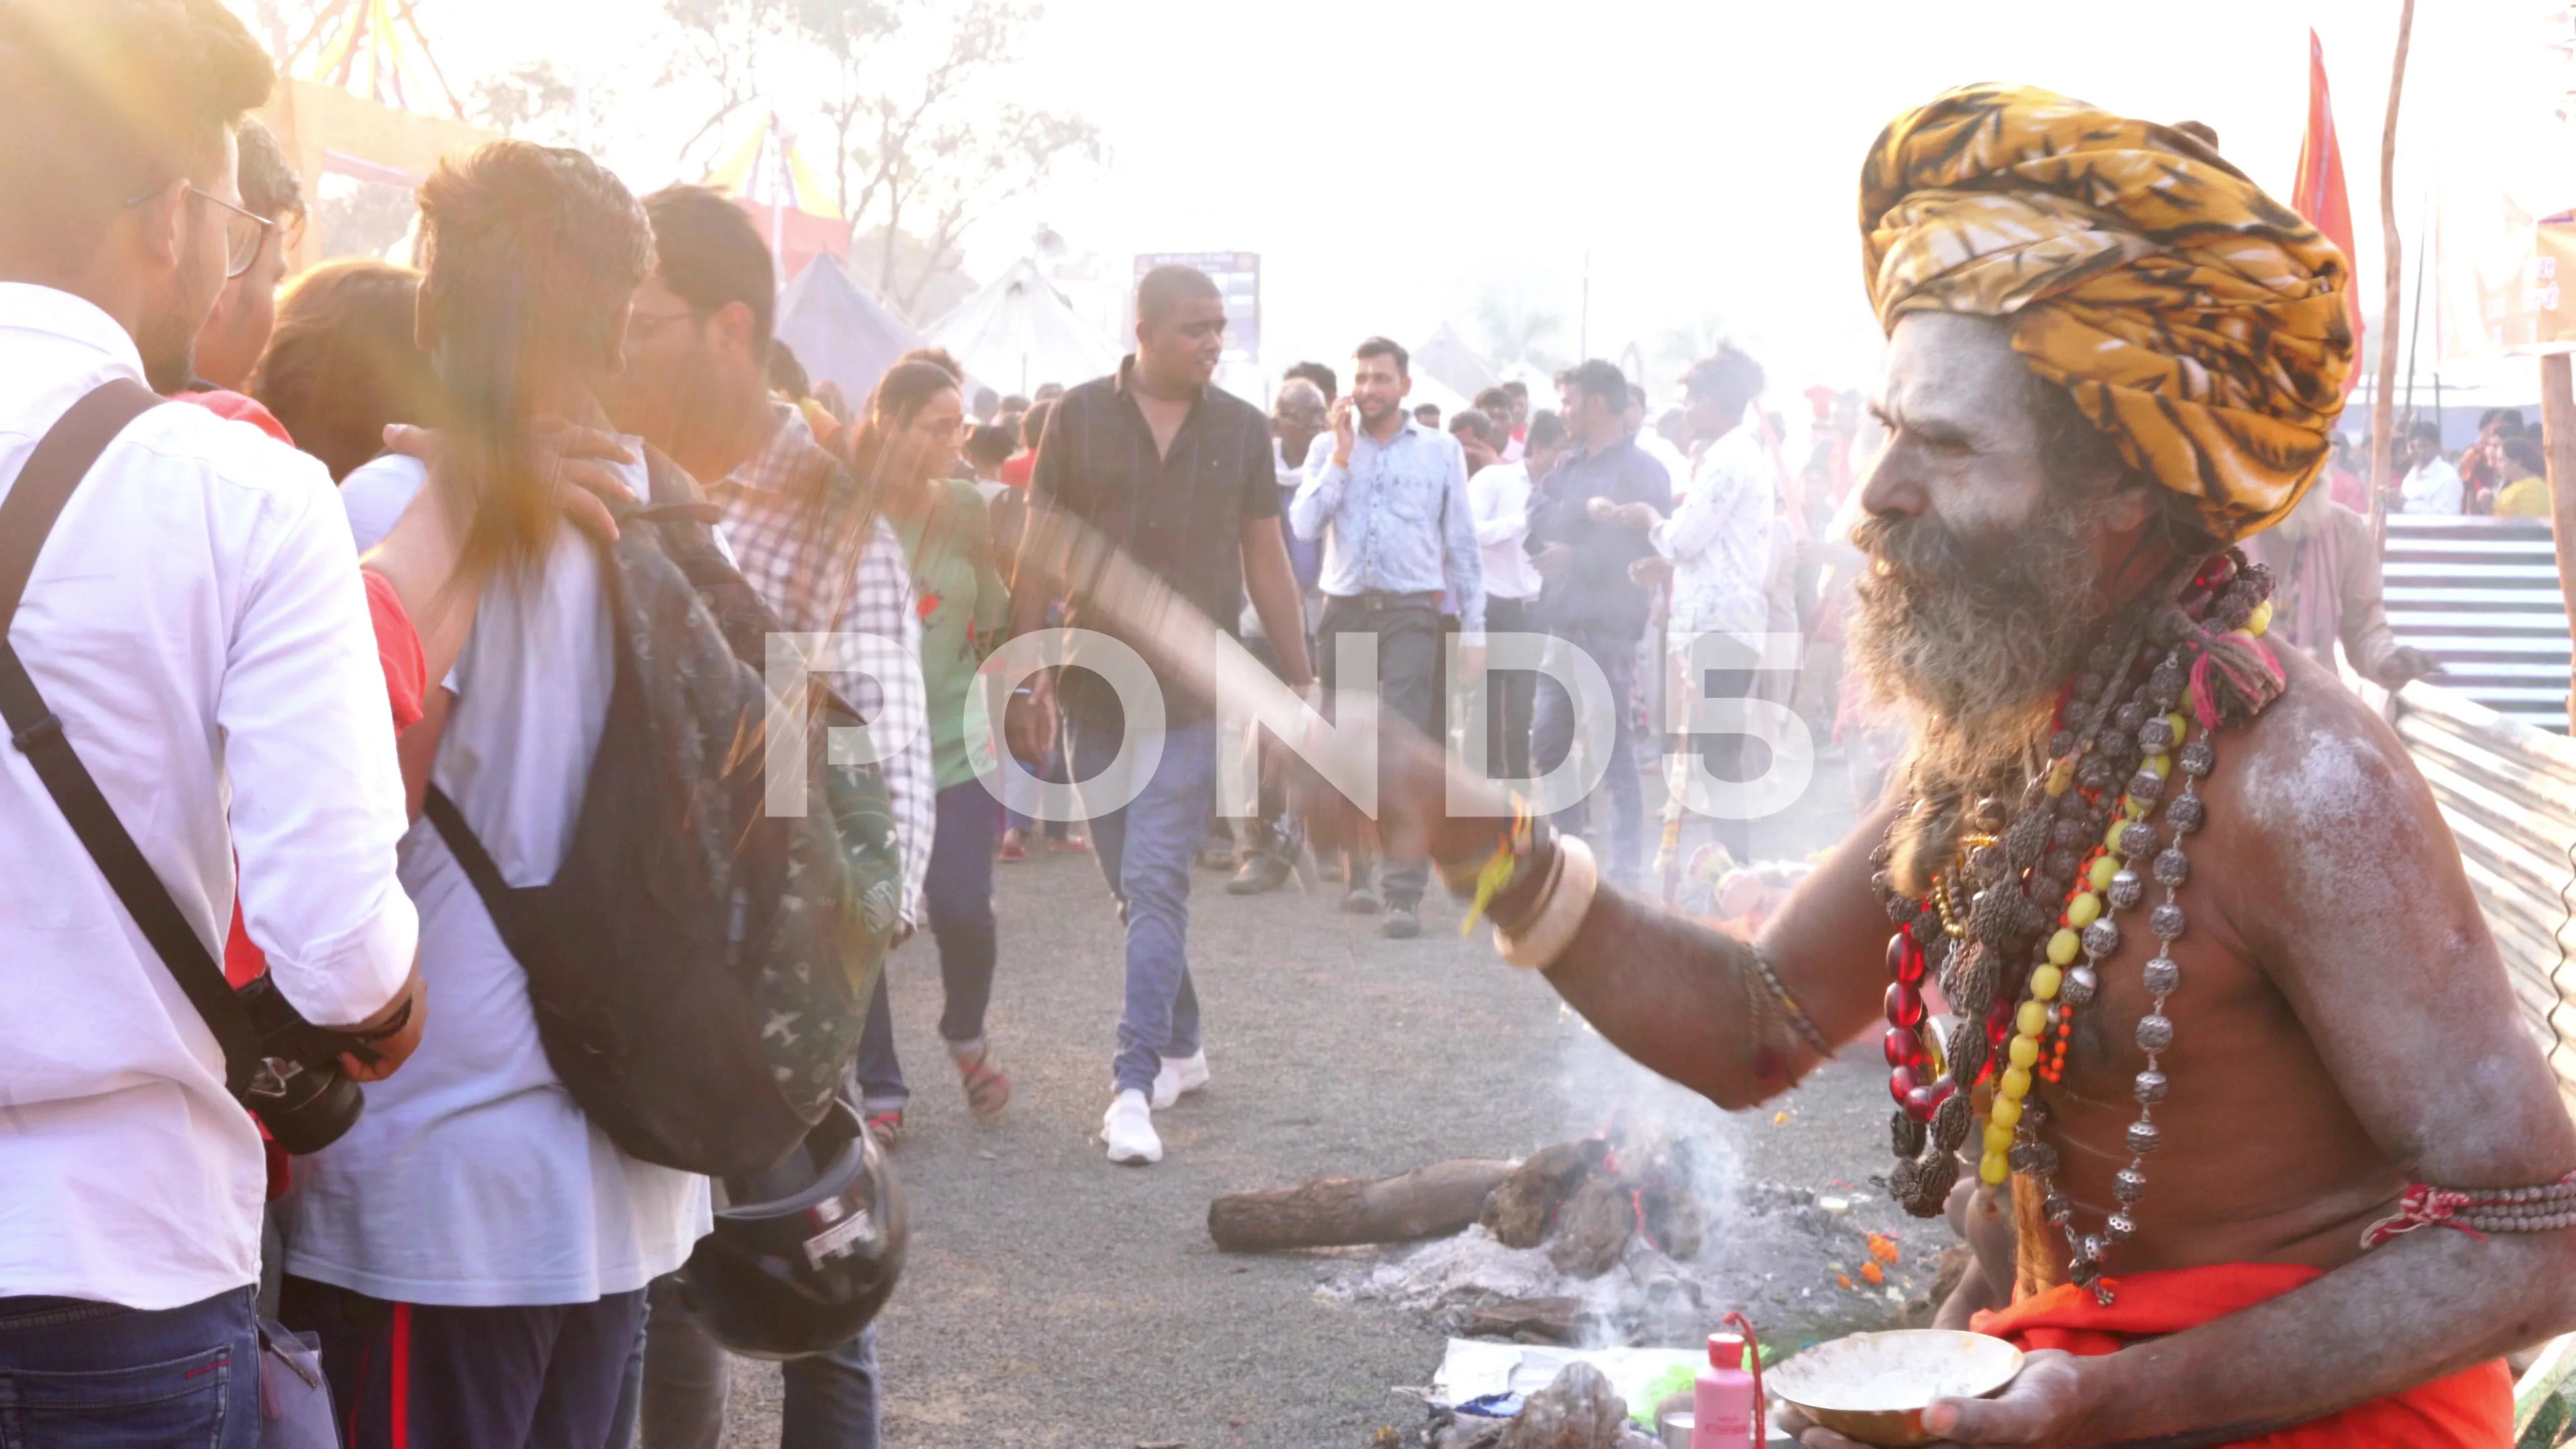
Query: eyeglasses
{"points": [[245, 232]]}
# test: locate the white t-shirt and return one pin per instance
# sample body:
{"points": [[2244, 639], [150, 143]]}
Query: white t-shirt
{"points": [[197, 622], [2433, 488], [473, 1179], [1719, 539], [1499, 496]]}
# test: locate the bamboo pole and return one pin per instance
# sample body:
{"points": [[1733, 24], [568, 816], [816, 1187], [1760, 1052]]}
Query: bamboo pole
{"points": [[2383, 402]]}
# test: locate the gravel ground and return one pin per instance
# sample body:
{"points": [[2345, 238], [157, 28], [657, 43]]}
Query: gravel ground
{"points": [[1053, 1299]]}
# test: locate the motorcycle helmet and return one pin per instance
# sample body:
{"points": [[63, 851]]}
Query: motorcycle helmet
{"points": [[805, 1254]]}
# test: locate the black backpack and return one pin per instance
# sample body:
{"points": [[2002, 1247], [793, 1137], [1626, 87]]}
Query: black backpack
{"points": [[700, 969]]}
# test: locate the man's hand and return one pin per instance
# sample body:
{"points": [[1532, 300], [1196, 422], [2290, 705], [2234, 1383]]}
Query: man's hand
{"points": [[1653, 571], [2405, 664], [1471, 663], [1029, 720], [1552, 561], [392, 1051], [583, 461], [1345, 432], [1639, 516], [2042, 1407]]}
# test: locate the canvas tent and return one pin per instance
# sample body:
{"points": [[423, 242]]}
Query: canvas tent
{"points": [[767, 176], [1446, 356], [839, 332], [1020, 333]]}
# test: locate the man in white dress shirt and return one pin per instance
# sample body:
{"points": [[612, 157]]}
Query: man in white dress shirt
{"points": [[2431, 485], [1717, 550], [197, 625], [1499, 497]]}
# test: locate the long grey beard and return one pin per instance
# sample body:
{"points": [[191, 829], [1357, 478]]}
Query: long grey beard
{"points": [[1974, 637]]}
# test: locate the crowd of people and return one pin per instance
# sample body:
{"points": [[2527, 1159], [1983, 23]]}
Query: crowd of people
{"points": [[2504, 474], [559, 478], [401, 485]]}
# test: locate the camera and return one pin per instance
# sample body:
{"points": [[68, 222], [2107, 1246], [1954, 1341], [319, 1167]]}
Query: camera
{"points": [[299, 1092]]}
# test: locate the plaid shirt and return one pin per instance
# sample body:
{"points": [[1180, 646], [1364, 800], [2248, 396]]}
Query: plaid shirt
{"points": [[793, 518]]}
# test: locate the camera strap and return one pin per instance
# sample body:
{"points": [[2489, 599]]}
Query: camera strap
{"points": [[61, 460]]}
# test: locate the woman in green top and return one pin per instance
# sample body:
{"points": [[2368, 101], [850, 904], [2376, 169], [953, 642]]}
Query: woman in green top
{"points": [[904, 452]]}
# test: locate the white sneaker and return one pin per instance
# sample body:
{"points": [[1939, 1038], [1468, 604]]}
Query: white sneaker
{"points": [[1179, 1077], [1129, 1128]]}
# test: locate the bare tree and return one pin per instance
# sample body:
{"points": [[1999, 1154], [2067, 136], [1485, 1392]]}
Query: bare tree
{"points": [[922, 151], [847, 32], [536, 102], [1683, 345], [1517, 331], [726, 43]]}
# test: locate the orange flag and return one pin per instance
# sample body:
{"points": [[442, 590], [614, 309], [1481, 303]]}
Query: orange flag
{"points": [[2318, 194]]}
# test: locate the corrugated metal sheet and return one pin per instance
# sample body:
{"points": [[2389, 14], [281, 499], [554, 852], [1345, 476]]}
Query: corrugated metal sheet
{"points": [[2509, 792], [2481, 595]]}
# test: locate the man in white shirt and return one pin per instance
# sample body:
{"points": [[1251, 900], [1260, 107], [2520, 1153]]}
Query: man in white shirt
{"points": [[1716, 548], [2432, 485], [197, 624], [1498, 498]]}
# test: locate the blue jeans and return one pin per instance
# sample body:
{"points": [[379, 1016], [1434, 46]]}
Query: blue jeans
{"points": [[957, 895], [1145, 851], [1552, 737], [76, 1374], [831, 1398]]}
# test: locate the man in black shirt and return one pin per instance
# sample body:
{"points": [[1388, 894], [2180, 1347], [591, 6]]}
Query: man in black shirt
{"points": [[1588, 600], [1179, 478]]}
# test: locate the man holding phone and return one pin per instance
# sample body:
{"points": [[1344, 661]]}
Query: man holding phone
{"points": [[1390, 504]]}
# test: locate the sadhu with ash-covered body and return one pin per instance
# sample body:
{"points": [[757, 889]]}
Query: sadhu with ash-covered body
{"points": [[2226, 995]]}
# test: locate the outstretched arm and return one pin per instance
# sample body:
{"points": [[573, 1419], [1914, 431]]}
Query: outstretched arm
{"points": [[1672, 992], [1669, 991]]}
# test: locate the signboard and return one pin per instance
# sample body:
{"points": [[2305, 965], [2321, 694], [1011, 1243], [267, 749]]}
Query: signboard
{"points": [[2540, 301], [1238, 279]]}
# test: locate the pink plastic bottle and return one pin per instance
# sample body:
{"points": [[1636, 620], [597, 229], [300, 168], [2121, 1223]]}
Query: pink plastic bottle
{"points": [[1723, 1399]]}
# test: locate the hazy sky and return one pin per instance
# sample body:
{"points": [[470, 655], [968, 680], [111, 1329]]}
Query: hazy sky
{"points": [[1394, 160]]}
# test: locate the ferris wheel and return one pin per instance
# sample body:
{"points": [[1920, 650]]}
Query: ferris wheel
{"points": [[375, 49]]}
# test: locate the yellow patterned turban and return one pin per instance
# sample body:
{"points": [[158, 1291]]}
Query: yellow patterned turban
{"points": [[2194, 319]]}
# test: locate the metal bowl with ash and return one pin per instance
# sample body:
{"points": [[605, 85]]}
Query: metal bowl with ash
{"points": [[1874, 1387]]}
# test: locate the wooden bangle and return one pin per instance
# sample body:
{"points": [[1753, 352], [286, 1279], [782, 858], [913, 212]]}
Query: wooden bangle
{"points": [[1553, 923]]}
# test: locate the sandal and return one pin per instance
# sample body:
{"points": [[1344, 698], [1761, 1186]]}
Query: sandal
{"points": [[987, 1090], [886, 1128]]}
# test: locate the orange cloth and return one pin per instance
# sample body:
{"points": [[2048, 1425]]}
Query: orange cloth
{"points": [[2472, 1409]]}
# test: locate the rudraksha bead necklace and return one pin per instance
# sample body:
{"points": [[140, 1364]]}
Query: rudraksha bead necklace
{"points": [[2074, 842]]}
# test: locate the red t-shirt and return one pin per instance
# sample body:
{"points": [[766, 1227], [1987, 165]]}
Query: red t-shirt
{"points": [[240, 409], [406, 677]]}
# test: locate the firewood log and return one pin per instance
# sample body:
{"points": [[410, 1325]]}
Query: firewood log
{"points": [[1335, 1212], [1529, 1320], [1519, 1211]]}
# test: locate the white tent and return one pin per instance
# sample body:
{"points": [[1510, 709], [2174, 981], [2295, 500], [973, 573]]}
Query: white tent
{"points": [[1446, 356], [1020, 333], [838, 331]]}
